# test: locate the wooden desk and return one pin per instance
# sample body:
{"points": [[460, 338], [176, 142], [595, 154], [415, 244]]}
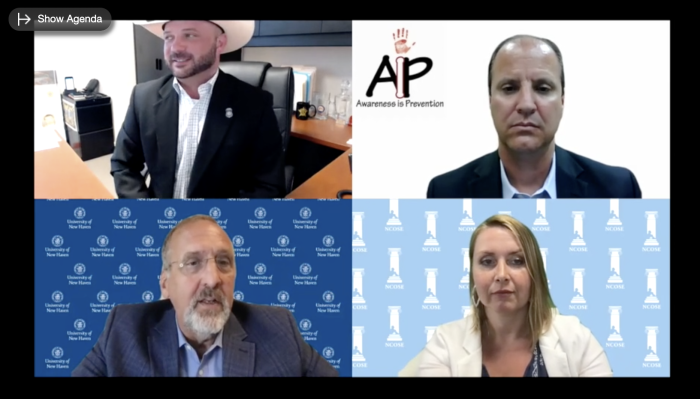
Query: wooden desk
{"points": [[326, 183], [60, 174], [325, 133]]}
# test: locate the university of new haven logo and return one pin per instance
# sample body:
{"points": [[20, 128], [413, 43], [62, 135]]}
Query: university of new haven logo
{"points": [[79, 222], [398, 68], [305, 221], [124, 222], [216, 214], [329, 251], [58, 251], [260, 222], [283, 249], [57, 361], [238, 242], [147, 296]]}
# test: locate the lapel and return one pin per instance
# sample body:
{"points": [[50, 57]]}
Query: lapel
{"points": [[239, 356], [470, 365], [568, 170], [216, 126], [163, 348], [487, 182], [166, 111], [555, 360]]}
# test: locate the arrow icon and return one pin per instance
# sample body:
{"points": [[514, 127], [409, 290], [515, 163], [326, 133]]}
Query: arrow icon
{"points": [[20, 19]]}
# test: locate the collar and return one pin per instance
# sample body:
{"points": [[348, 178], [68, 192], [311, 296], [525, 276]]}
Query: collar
{"points": [[549, 183], [182, 341], [208, 84]]}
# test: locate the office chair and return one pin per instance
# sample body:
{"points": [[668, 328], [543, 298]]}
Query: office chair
{"points": [[342, 193], [278, 81]]}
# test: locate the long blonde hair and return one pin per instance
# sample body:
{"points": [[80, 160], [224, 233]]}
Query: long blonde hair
{"points": [[541, 306]]}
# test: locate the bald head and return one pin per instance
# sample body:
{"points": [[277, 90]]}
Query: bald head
{"points": [[521, 47], [182, 227]]}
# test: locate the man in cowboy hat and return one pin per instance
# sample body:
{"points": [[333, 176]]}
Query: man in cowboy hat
{"points": [[201, 133]]}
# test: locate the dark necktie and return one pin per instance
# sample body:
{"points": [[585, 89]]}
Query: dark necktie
{"points": [[543, 194]]}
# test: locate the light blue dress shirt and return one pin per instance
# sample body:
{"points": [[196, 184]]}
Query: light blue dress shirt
{"points": [[212, 362], [548, 189]]}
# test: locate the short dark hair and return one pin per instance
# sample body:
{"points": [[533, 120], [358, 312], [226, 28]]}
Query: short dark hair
{"points": [[548, 42]]}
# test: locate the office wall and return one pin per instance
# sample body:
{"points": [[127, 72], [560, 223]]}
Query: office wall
{"points": [[333, 63], [106, 56]]}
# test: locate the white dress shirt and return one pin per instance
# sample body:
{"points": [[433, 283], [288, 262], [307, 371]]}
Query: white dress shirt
{"points": [[188, 105], [550, 184], [568, 347]]}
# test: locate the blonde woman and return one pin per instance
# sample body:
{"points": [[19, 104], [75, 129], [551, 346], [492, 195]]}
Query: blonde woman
{"points": [[514, 329]]}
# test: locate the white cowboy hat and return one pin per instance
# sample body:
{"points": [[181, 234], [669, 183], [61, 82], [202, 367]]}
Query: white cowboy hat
{"points": [[238, 33]]}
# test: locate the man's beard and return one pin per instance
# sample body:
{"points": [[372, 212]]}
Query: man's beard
{"points": [[206, 323], [200, 64]]}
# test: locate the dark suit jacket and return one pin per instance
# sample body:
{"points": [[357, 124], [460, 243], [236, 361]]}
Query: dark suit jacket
{"points": [[577, 177], [237, 157], [258, 341]]}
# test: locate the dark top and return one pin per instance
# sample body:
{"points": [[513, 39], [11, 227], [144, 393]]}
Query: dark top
{"points": [[577, 177], [536, 368], [240, 153]]}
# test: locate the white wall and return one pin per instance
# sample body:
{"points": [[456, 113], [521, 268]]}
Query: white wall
{"points": [[109, 57], [106, 56]]}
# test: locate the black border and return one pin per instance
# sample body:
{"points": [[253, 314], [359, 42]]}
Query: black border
{"points": [[19, 60]]}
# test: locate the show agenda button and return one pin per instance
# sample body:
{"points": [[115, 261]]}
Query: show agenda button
{"points": [[60, 19]]}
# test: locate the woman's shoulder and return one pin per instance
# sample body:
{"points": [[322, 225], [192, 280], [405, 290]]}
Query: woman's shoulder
{"points": [[456, 329]]}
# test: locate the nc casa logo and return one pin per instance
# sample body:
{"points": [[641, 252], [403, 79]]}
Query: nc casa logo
{"points": [[400, 76]]}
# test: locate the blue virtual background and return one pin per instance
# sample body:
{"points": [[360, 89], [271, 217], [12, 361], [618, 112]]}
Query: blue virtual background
{"points": [[608, 263], [92, 255]]}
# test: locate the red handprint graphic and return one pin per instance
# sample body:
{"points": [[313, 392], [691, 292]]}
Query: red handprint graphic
{"points": [[401, 41]]}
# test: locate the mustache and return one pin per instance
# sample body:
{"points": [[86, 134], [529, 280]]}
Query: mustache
{"points": [[209, 293], [175, 56]]}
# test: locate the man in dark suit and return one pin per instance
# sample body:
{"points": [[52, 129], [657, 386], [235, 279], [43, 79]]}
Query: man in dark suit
{"points": [[198, 330], [200, 132], [526, 93]]}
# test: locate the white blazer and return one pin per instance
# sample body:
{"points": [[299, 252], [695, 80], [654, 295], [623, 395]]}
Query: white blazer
{"points": [[568, 347]]}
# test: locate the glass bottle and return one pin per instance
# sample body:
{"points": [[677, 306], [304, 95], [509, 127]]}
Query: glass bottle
{"points": [[343, 103], [331, 107]]}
